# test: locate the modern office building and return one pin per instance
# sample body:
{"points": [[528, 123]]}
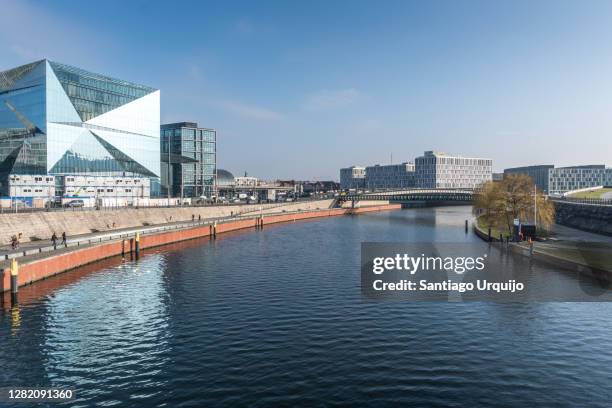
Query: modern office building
{"points": [[564, 179], [538, 173], [352, 177], [440, 170], [59, 120], [188, 160], [389, 176]]}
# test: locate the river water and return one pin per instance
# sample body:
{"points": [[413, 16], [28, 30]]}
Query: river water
{"points": [[276, 317]]}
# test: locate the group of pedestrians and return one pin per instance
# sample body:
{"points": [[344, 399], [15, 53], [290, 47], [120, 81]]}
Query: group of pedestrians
{"points": [[54, 239], [16, 239]]}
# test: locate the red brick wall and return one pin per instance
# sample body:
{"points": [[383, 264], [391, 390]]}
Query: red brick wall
{"points": [[42, 268]]}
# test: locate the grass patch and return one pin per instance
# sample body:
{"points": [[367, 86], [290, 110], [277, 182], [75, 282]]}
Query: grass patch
{"points": [[591, 194], [495, 231]]}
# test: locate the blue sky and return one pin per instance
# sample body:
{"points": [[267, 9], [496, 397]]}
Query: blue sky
{"points": [[298, 89]]}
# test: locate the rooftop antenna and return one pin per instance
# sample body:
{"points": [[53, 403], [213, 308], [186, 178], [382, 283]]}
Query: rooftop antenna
{"points": [[391, 158]]}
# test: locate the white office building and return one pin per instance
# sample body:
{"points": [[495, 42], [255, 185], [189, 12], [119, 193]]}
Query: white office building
{"points": [[41, 190], [390, 176], [246, 181], [352, 177], [564, 179], [25, 186], [440, 170], [122, 189]]}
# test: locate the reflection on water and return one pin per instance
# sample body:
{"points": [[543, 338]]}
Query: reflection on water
{"points": [[115, 327], [276, 317]]}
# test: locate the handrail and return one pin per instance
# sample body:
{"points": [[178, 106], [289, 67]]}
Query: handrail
{"points": [[590, 201], [132, 233], [19, 210]]}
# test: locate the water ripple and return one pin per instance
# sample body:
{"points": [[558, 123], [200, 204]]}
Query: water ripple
{"points": [[276, 318]]}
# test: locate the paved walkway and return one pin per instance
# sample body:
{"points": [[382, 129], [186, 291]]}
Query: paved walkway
{"points": [[563, 233], [6, 249]]}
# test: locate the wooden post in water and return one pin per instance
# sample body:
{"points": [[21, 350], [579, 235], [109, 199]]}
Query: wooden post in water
{"points": [[14, 280], [137, 244]]}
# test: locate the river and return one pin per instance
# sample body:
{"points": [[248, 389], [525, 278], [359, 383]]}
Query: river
{"points": [[276, 317]]}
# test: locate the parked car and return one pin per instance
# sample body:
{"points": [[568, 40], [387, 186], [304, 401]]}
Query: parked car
{"points": [[75, 204]]}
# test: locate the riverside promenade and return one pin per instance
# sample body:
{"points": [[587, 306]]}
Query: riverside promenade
{"points": [[567, 248], [40, 262]]}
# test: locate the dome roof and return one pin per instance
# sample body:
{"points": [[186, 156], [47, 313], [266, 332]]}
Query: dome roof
{"points": [[224, 177]]}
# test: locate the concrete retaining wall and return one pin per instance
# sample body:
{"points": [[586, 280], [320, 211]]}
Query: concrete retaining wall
{"points": [[41, 225], [593, 218], [31, 271], [364, 203]]}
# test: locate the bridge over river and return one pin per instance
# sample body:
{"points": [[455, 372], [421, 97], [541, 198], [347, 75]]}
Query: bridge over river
{"points": [[415, 196]]}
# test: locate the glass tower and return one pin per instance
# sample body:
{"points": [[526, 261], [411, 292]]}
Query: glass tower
{"points": [[188, 160], [57, 119]]}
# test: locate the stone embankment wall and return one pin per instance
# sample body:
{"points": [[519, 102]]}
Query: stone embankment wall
{"points": [[586, 217], [364, 203], [34, 270], [41, 225]]}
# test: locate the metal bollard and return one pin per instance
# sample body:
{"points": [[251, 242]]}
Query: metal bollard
{"points": [[489, 234], [466, 226]]}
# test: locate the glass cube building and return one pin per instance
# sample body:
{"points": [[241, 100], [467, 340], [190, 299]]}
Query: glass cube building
{"points": [[188, 160], [57, 119]]}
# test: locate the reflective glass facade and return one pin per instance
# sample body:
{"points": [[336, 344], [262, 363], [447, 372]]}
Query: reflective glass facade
{"points": [[189, 160], [94, 94], [57, 119]]}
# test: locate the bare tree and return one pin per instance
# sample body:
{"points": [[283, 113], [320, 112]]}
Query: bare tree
{"points": [[516, 196]]}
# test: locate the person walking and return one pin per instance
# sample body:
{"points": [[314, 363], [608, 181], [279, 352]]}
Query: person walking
{"points": [[14, 242], [54, 240], [64, 243]]}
